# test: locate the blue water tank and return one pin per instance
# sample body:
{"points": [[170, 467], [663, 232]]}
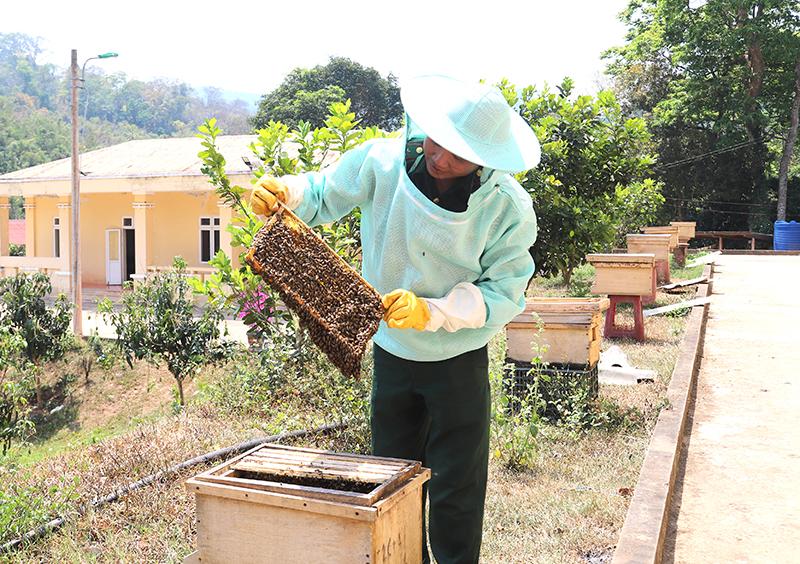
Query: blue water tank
{"points": [[787, 236]]}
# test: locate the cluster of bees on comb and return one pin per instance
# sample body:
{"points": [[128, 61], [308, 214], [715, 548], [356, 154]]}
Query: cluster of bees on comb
{"points": [[334, 304]]}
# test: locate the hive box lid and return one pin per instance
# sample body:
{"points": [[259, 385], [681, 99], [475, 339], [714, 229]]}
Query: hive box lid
{"points": [[561, 311], [632, 258]]}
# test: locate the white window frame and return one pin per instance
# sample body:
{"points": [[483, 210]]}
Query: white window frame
{"points": [[124, 226], [57, 237], [214, 224]]}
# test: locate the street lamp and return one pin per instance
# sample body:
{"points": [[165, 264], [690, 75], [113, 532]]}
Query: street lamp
{"points": [[77, 293]]}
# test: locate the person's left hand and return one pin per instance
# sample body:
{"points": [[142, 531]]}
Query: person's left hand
{"points": [[404, 310]]}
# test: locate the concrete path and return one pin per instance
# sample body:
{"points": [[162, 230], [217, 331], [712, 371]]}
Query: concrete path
{"points": [[737, 495]]}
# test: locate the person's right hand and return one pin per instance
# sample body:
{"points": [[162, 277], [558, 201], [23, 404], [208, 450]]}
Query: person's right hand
{"points": [[266, 194]]}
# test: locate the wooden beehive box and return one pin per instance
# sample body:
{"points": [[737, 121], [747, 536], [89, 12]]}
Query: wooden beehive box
{"points": [[297, 505], [671, 230], [686, 230], [570, 330], [623, 274], [656, 244]]}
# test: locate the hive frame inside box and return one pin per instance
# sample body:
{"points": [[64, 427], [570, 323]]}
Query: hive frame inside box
{"points": [[570, 330], [246, 520]]}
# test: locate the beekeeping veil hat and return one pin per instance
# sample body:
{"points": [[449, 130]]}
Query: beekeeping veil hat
{"points": [[473, 121]]}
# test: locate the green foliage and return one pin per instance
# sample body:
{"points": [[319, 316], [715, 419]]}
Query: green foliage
{"points": [[293, 385], [592, 183], [515, 428], [16, 250], [44, 330], [239, 288], [306, 95], [26, 504], [16, 386], [716, 82], [29, 135], [156, 323]]}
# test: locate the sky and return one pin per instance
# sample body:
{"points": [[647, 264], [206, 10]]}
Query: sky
{"points": [[249, 47]]}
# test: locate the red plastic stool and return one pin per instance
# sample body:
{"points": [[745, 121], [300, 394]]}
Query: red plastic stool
{"points": [[614, 330]]}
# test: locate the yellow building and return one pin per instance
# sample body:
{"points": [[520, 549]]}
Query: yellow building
{"points": [[142, 203]]}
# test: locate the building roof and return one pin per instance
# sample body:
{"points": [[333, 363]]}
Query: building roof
{"points": [[141, 159]]}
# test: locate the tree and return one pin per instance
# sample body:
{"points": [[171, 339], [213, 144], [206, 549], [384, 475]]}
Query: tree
{"points": [[306, 94], [29, 135], [157, 323], [45, 331], [593, 184], [716, 80]]}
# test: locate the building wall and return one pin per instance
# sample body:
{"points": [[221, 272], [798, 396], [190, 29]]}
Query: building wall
{"points": [[175, 218], [46, 209], [98, 213]]}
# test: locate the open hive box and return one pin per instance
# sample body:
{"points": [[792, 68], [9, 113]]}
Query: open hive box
{"points": [[623, 274], [570, 330], [340, 310], [285, 504]]}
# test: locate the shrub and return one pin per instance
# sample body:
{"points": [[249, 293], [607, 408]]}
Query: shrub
{"points": [[16, 386], [44, 330], [157, 323]]}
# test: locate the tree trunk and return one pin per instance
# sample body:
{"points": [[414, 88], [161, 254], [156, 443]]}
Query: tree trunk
{"points": [[754, 82], [566, 274], [788, 146], [180, 391]]}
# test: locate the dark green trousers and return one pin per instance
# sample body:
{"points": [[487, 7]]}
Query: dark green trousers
{"points": [[438, 412]]}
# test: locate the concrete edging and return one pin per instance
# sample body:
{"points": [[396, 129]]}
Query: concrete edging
{"points": [[641, 540]]}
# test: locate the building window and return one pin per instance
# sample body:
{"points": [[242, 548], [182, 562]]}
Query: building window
{"points": [[127, 223], [209, 238], [56, 237]]}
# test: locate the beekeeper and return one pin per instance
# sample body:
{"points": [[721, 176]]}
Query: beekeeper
{"points": [[446, 232]]}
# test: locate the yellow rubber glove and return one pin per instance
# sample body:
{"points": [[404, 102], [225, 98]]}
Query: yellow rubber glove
{"points": [[265, 196], [404, 310]]}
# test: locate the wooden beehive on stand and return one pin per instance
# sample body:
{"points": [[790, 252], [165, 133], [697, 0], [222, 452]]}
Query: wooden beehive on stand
{"points": [[340, 310], [570, 330], [671, 230], [658, 245], [686, 230], [623, 274], [288, 505]]}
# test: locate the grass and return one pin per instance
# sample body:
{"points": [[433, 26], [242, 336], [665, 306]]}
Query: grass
{"points": [[568, 505]]}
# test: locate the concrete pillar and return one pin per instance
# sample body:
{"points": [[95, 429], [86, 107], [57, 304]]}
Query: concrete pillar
{"points": [[30, 227], [5, 209], [140, 207]]}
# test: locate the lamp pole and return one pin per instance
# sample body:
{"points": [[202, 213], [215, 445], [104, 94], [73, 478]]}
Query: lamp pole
{"points": [[77, 291], [75, 231]]}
